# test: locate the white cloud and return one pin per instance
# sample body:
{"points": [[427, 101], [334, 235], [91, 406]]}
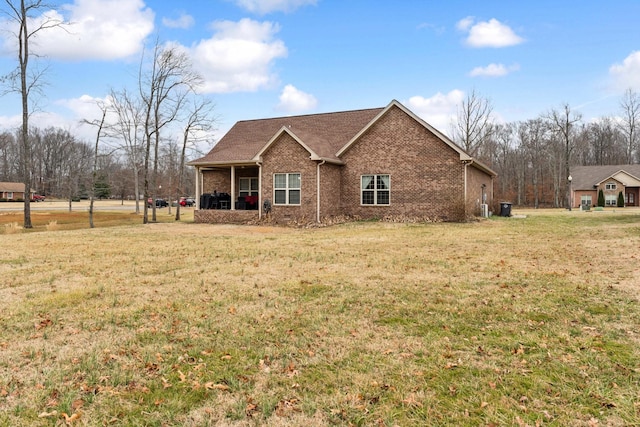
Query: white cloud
{"points": [[493, 70], [627, 74], [440, 111], [293, 100], [94, 29], [465, 23], [183, 21], [267, 6], [239, 56], [490, 33]]}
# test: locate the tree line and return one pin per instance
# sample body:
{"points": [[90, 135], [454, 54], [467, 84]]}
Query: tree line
{"points": [[135, 133], [533, 158]]}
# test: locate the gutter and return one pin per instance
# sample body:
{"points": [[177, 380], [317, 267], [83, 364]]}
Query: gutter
{"points": [[318, 190]]}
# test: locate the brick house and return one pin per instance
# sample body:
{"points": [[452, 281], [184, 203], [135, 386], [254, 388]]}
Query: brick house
{"points": [[372, 163], [12, 191], [587, 181]]}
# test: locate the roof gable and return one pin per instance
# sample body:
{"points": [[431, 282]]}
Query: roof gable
{"points": [[463, 155], [285, 130]]}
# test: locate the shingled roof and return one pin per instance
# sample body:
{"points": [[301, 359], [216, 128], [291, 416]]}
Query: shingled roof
{"points": [[12, 187], [587, 177], [325, 134]]}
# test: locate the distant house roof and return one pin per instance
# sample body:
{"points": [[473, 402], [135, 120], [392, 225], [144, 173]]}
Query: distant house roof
{"points": [[589, 177], [13, 187]]}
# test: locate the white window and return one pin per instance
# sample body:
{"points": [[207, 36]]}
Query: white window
{"points": [[286, 188], [375, 189], [610, 200], [585, 200], [9, 195], [248, 187], [610, 186]]}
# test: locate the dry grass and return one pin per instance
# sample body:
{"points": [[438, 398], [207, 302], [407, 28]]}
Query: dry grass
{"points": [[502, 322]]}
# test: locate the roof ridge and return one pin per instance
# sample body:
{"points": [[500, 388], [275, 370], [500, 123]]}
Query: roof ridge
{"points": [[310, 115]]}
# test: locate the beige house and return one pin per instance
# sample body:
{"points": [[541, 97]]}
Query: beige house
{"points": [[373, 163], [587, 181]]}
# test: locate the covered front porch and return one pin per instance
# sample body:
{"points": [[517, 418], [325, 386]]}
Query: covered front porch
{"points": [[228, 193]]}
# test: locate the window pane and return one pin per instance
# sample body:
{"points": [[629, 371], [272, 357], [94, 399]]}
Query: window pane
{"points": [[367, 182], [244, 184], [280, 180], [383, 197], [383, 182], [280, 197], [294, 180], [294, 197], [367, 197], [254, 184]]}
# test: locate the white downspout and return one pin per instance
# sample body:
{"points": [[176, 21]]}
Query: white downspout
{"points": [[259, 189], [466, 165], [318, 191], [233, 188], [198, 187]]}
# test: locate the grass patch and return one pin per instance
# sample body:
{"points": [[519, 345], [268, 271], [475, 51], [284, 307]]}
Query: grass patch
{"points": [[499, 322]]}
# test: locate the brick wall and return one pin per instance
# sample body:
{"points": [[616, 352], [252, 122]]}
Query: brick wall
{"points": [[285, 155], [330, 183], [427, 176], [475, 179], [216, 180]]}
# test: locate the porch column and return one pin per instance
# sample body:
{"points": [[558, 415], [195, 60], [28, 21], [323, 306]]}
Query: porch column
{"points": [[198, 187], [259, 190], [233, 188]]}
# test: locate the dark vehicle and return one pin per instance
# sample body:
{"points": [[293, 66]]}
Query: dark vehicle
{"points": [[160, 203]]}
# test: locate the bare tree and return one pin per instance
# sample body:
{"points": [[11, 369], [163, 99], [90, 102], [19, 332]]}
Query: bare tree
{"points": [[630, 105], [563, 124], [474, 124], [200, 120], [99, 124], [21, 13], [163, 90], [128, 125]]}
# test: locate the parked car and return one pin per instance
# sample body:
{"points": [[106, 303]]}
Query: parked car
{"points": [[37, 198], [187, 201], [160, 203]]}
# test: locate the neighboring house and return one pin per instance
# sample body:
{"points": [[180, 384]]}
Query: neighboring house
{"points": [[373, 163], [12, 191], [587, 181]]}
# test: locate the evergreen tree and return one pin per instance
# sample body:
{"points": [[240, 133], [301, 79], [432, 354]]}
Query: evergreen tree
{"points": [[600, 198], [620, 200]]}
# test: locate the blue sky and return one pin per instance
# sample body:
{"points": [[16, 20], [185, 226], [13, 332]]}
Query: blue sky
{"points": [[266, 58]]}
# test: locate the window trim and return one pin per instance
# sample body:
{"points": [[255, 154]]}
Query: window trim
{"points": [[251, 191], [287, 189], [375, 190], [611, 186]]}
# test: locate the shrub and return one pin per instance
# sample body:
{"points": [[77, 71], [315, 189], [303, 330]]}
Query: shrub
{"points": [[600, 198], [620, 200], [12, 228], [53, 225]]}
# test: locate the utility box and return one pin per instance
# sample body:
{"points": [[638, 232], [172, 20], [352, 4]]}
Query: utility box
{"points": [[484, 210]]}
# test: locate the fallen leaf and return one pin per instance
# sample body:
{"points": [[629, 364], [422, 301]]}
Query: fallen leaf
{"points": [[213, 386], [48, 414], [70, 419]]}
